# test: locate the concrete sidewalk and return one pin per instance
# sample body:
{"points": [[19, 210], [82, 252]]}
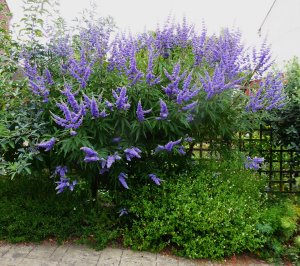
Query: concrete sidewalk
{"points": [[77, 255]]}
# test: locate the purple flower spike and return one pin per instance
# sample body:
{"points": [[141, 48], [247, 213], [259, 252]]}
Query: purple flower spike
{"points": [[91, 159], [253, 163], [60, 170], [172, 87], [109, 105], [89, 152], [168, 147], [155, 179], [181, 150], [65, 183], [121, 99], [163, 110], [71, 98], [72, 120], [47, 145], [103, 114], [72, 185], [112, 159], [48, 77], [94, 108], [133, 73], [151, 79], [190, 106], [122, 177], [140, 113], [133, 152], [90, 155]]}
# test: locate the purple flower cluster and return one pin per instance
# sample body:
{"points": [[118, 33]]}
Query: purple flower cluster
{"points": [[168, 147], [61, 171], [174, 78], [261, 60], [253, 163], [199, 47], [65, 183], [74, 115], [90, 155], [71, 98], [133, 74], [62, 46], [93, 105], [151, 79], [121, 99], [217, 83], [80, 69], [172, 35], [108, 162], [47, 145], [122, 178], [131, 153], [155, 179], [48, 77], [37, 83], [95, 38], [269, 95], [72, 120], [184, 95], [187, 93], [164, 113], [140, 113], [118, 51]]}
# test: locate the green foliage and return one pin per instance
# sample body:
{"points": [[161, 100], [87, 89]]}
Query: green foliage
{"points": [[281, 227], [287, 120], [32, 212], [211, 212], [19, 129], [214, 211]]}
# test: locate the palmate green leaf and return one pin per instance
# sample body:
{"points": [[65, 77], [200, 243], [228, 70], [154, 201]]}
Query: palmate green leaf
{"points": [[4, 132], [70, 147]]}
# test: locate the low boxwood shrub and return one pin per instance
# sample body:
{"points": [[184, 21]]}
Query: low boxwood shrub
{"points": [[32, 212], [212, 212]]}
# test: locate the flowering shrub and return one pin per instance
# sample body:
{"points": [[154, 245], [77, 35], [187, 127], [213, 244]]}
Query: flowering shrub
{"points": [[128, 108]]}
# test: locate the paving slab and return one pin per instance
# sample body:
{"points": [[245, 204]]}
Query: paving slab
{"points": [[38, 262], [59, 252], [78, 255], [18, 251], [167, 261], [134, 258], [110, 256], [4, 249], [41, 252]]}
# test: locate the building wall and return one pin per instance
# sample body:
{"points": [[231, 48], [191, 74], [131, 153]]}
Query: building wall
{"points": [[5, 15]]}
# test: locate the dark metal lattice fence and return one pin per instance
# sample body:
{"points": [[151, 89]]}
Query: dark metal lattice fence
{"points": [[281, 166]]}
